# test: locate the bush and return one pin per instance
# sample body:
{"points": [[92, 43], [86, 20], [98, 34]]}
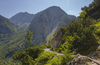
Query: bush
{"points": [[44, 57], [27, 57], [55, 61], [82, 31]]}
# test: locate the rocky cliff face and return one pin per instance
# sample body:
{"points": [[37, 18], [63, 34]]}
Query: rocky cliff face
{"points": [[57, 40], [45, 21], [22, 18]]}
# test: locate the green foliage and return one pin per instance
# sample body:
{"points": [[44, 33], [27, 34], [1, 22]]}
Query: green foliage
{"points": [[28, 60], [44, 57], [43, 45], [27, 57], [54, 33], [19, 55], [83, 14], [55, 61], [67, 45], [93, 8], [82, 31], [97, 30], [9, 62], [29, 38], [48, 45], [65, 48], [80, 36], [34, 51], [11, 45]]}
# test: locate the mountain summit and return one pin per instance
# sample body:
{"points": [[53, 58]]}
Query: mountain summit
{"points": [[47, 20], [22, 18]]}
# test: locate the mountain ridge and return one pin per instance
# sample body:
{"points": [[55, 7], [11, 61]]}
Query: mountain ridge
{"points": [[45, 21], [22, 18]]}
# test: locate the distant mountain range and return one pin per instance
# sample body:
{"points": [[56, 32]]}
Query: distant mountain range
{"points": [[43, 25], [22, 19]]}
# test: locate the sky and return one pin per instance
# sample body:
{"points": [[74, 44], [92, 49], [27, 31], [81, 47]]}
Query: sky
{"points": [[9, 8]]}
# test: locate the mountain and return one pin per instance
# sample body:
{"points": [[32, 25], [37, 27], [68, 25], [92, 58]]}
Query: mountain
{"points": [[22, 18], [11, 39], [42, 25], [6, 26], [46, 21]]}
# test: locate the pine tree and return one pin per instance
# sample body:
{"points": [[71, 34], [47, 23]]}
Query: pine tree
{"points": [[29, 37]]}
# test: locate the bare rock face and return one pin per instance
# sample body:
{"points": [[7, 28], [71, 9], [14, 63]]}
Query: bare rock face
{"points": [[82, 60], [91, 59], [57, 40]]}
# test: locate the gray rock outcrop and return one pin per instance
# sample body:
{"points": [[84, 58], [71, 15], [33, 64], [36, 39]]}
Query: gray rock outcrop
{"points": [[82, 60], [57, 40]]}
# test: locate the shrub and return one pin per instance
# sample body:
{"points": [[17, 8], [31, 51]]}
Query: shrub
{"points": [[27, 57], [44, 57], [55, 61]]}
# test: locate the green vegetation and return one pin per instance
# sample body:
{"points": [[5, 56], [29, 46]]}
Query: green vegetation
{"points": [[29, 37], [44, 57], [27, 57], [97, 30], [14, 45], [83, 33], [80, 36], [83, 14], [36, 55], [93, 9]]}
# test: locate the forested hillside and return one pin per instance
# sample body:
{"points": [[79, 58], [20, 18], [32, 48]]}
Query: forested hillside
{"points": [[11, 40], [7, 28]]}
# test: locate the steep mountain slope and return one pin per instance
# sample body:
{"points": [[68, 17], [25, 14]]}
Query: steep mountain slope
{"points": [[11, 40], [47, 20], [22, 18], [7, 29], [9, 35]]}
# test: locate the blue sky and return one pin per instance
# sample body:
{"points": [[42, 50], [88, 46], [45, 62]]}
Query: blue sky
{"points": [[8, 8]]}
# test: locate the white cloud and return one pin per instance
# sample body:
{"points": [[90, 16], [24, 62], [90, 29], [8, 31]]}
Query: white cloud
{"points": [[72, 12]]}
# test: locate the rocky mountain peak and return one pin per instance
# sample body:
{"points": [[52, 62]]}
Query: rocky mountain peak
{"points": [[45, 21], [22, 17]]}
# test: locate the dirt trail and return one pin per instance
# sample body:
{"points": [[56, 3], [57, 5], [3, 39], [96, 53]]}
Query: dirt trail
{"points": [[48, 50]]}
